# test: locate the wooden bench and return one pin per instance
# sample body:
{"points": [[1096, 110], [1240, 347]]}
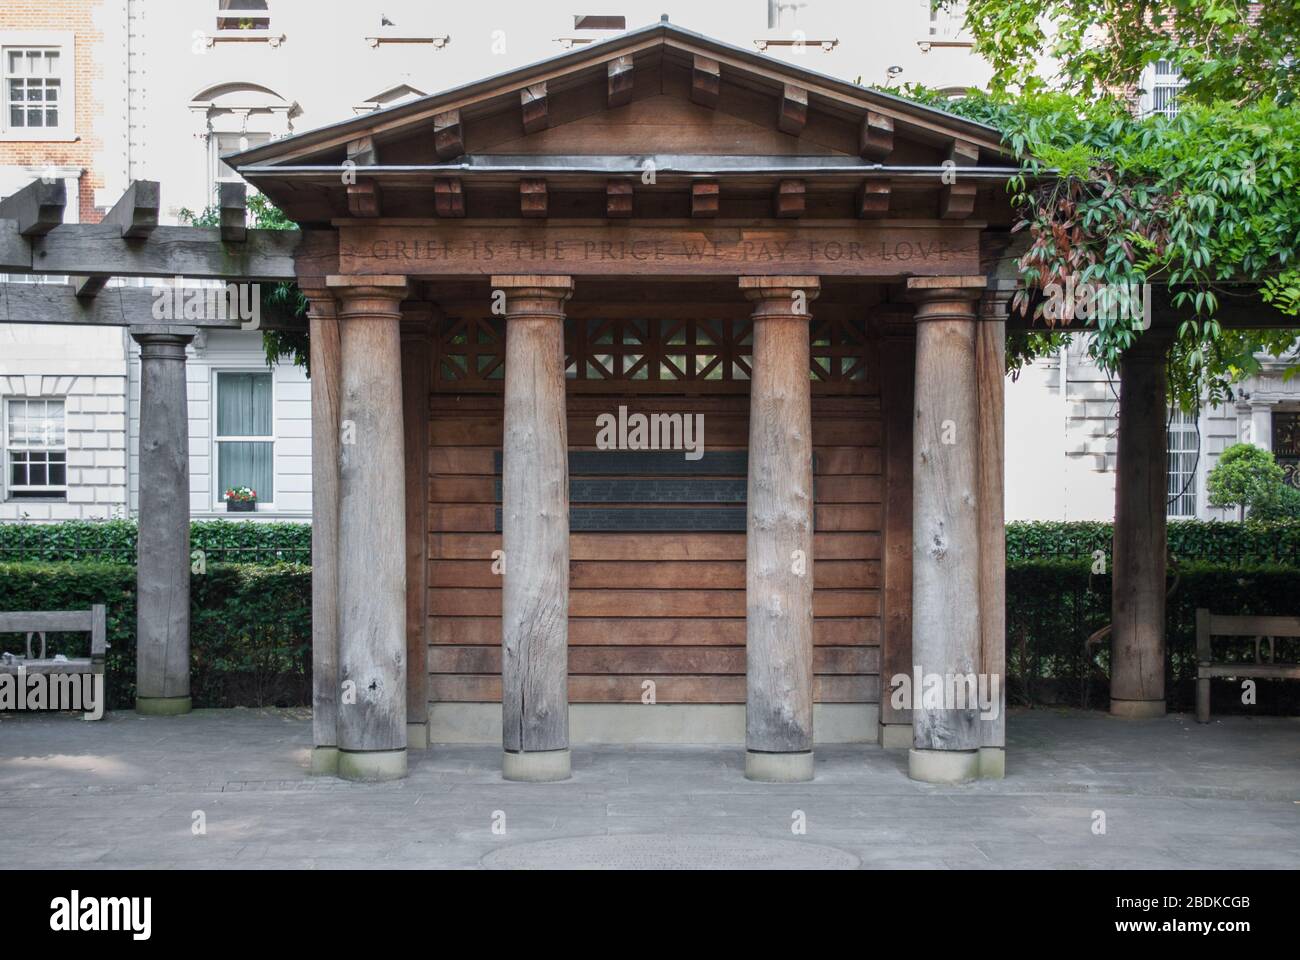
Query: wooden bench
{"points": [[1209, 625], [36, 624]]}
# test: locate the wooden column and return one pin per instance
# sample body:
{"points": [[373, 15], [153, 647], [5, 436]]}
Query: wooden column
{"points": [[1137, 673], [945, 529], [417, 359], [162, 654], [897, 374], [535, 532], [779, 534], [322, 314], [372, 530], [990, 372]]}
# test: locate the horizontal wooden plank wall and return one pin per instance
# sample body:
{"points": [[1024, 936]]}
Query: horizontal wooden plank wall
{"points": [[667, 607]]}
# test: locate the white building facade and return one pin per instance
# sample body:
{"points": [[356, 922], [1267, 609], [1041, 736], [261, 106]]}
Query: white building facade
{"points": [[164, 89]]}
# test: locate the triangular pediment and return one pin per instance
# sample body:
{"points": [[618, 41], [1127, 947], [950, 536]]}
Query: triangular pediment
{"points": [[656, 92]]}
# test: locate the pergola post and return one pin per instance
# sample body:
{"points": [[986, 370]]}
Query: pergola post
{"points": [[162, 656], [779, 534], [324, 334], [1137, 673], [946, 624], [535, 532], [372, 530]]}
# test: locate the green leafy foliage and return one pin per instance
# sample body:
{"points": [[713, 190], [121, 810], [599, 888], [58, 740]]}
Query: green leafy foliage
{"points": [[1249, 478], [1207, 202], [1226, 50], [1053, 606], [250, 627], [114, 541], [1189, 541], [283, 304]]}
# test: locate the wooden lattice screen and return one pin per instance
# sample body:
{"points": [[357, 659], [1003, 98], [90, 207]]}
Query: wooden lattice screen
{"points": [[665, 356]]}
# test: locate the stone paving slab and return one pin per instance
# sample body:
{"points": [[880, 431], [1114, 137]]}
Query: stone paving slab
{"points": [[124, 792]]}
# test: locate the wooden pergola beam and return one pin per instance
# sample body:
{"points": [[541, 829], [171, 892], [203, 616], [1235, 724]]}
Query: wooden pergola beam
{"points": [[873, 199], [449, 197], [58, 303], [136, 213], [704, 198], [87, 249], [232, 210], [37, 208]]}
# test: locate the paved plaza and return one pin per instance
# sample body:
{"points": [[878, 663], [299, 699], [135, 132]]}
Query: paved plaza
{"points": [[133, 792]]}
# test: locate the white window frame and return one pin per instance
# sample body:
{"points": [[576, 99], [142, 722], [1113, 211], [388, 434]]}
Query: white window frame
{"points": [[1180, 425], [214, 469], [1168, 80], [65, 42], [51, 492], [946, 27], [214, 156]]}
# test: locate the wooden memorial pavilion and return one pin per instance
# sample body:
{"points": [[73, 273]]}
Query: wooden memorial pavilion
{"points": [[661, 377], [657, 387]]}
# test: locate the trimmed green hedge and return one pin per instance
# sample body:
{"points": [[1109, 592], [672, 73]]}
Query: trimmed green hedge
{"points": [[113, 541], [250, 627], [1190, 541], [241, 541], [1053, 606]]}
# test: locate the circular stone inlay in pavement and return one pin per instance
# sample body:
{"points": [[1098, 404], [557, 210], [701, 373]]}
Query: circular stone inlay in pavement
{"points": [[632, 852]]}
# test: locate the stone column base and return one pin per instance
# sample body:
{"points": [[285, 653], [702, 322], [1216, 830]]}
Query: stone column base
{"points": [[325, 760], [372, 764], [896, 736], [538, 766], [163, 706], [417, 736], [1137, 709], [993, 763], [943, 766], [778, 767]]}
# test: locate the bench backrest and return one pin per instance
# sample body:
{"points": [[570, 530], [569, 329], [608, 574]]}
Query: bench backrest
{"points": [[93, 621], [1217, 625]]}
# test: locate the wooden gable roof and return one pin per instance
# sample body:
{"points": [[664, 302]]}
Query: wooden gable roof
{"points": [[690, 110]]}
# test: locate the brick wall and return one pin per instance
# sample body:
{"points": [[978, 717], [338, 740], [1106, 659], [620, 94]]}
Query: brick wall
{"points": [[79, 17]]}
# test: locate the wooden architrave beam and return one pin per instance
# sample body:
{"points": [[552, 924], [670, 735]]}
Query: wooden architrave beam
{"points": [[533, 201], [792, 109], [876, 137], [232, 211], [136, 213], [706, 81], [364, 196], [790, 199], [873, 199], [448, 135], [37, 208], [534, 107], [618, 198], [705, 195], [619, 82], [449, 197]]}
